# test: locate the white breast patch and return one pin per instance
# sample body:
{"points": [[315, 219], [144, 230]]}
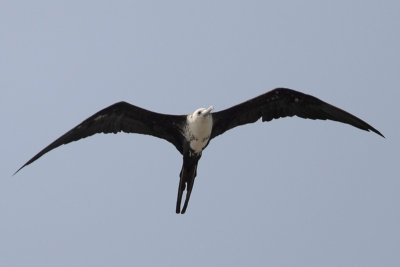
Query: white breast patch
{"points": [[198, 131]]}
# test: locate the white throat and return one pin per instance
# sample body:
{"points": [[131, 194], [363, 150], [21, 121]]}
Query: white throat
{"points": [[198, 129]]}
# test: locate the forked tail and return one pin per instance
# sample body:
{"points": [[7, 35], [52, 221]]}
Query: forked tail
{"points": [[187, 176]]}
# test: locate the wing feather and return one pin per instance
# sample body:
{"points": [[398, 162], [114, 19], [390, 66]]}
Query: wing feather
{"points": [[123, 117], [279, 103]]}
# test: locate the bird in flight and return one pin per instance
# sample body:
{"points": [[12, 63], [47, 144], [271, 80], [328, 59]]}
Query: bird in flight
{"points": [[191, 133]]}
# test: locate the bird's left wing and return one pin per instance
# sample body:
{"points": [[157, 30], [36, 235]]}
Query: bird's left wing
{"points": [[123, 117], [279, 103]]}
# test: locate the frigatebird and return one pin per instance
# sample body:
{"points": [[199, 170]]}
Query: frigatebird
{"points": [[191, 133]]}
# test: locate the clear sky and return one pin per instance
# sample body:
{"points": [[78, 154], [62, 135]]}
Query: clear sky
{"points": [[291, 192]]}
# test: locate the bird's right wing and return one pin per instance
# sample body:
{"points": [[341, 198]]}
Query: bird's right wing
{"points": [[279, 103], [123, 117]]}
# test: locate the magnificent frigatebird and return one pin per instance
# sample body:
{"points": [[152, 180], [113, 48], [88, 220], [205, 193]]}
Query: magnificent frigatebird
{"points": [[190, 134]]}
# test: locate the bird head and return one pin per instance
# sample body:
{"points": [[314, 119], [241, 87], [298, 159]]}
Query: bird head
{"points": [[202, 112]]}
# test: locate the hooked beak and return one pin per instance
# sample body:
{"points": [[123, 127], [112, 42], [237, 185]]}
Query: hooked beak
{"points": [[205, 112]]}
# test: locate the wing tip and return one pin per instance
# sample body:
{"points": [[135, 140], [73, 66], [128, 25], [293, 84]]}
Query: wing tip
{"points": [[19, 169], [376, 131]]}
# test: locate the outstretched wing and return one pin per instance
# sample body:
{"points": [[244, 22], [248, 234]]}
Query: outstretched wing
{"points": [[279, 103], [127, 118]]}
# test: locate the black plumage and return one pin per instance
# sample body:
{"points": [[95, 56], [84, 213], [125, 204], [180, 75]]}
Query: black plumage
{"points": [[278, 103]]}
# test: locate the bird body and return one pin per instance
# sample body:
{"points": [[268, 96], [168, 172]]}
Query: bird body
{"points": [[191, 133], [198, 129]]}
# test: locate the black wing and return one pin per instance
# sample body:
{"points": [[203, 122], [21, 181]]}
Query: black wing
{"points": [[279, 103], [127, 118]]}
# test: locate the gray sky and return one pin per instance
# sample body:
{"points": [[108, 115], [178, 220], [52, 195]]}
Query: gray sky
{"points": [[291, 192]]}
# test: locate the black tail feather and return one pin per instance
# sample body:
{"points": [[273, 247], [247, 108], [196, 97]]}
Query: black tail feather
{"points": [[188, 193], [187, 177], [181, 188]]}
